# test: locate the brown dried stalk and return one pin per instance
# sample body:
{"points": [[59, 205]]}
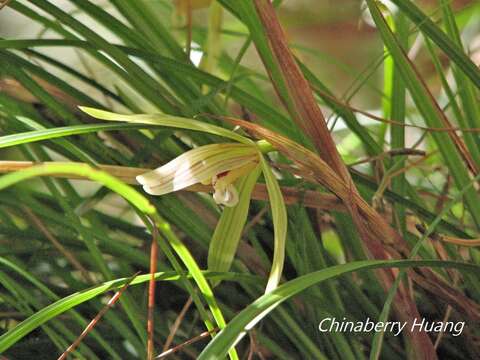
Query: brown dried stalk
{"points": [[186, 343], [292, 195], [176, 324], [95, 320], [151, 293], [4, 3], [460, 242], [15, 89], [57, 244], [188, 47], [390, 121], [300, 103], [391, 153]]}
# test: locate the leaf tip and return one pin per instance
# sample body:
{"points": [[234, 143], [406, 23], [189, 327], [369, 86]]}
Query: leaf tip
{"points": [[98, 113]]}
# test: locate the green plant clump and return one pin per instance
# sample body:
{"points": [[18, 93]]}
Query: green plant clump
{"points": [[242, 179]]}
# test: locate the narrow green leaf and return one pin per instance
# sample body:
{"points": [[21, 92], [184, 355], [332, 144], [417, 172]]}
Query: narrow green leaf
{"points": [[466, 90], [58, 132], [194, 270], [431, 30], [228, 231], [279, 217], [430, 111], [130, 194], [397, 111], [166, 120], [60, 306], [250, 316], [378, 337]]}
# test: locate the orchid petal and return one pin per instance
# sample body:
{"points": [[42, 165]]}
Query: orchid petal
{"points": [[197, 165]]}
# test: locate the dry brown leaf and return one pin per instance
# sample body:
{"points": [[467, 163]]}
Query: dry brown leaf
{"points": [[15, 89], [182, 5]]}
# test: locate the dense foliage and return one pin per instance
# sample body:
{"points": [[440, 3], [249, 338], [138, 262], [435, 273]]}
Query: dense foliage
{"points": [[341, 145]]}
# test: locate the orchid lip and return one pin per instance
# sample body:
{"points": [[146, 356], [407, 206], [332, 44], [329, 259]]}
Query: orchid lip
{"points": [[226, 196]]}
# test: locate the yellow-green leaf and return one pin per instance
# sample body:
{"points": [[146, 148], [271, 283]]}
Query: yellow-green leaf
{"points": [[166, 120], [230, 226], [279, 217]]}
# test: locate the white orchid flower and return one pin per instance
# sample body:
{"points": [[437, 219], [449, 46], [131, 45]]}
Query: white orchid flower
{"points": [[225, 166], [218, 165]]}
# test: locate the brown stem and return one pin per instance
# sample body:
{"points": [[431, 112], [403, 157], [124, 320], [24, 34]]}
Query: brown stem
{"points": [[57, 244], [292, 195], [176, 324], [96, 319], [151, 294], [188, 342]]}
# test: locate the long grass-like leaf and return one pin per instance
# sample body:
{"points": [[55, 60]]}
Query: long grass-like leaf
{"points": [[66, 303], [451, 146], [279, 217], [228, 231], [249, 317], [58, 132], [428, 27], [166, 120]]}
